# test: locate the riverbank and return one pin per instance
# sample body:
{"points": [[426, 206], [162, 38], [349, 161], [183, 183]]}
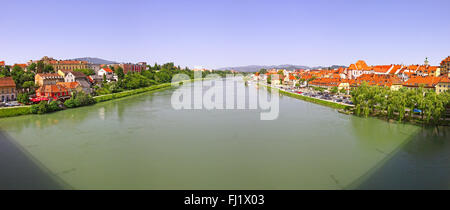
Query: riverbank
{"points": [[310, 99], [26, 110]]}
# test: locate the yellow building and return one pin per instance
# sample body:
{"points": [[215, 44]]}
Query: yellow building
{"points": [[7, 89], [48, 79], [443, 85], [64, 64]]}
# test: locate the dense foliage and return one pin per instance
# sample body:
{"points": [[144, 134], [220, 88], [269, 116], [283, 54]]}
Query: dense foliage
{"points": [[45, 107], [404, 104], [23, 98], [21, 78], [79, 99], [86, 72], [157, 74]]}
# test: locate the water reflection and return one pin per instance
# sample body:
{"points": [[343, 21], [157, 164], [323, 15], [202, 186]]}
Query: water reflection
{"points": [[20, 172], [423, 163]]}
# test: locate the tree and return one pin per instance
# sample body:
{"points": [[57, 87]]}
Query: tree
{"points": [[40, 67], [119, 72], [86, 72], [32, 67], [23, 98], [48, 69], [334, 90]]}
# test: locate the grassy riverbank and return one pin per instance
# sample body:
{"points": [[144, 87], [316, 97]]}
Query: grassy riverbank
{"points": [[313, 100], [25, 110], [108, 97], [14, 111]]}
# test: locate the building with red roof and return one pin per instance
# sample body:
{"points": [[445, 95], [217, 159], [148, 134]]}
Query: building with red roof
{"points": [[417, 81], [445, 66], [443, 85], [7, 89], [48, 79], [53, 91]]}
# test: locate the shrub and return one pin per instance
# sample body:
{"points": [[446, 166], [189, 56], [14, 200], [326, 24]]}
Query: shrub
{"points": [[45, 107], [23, 98], [79, 99]]}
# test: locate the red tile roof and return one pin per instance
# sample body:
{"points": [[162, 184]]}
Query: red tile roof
{"points": [[445, 60], [2, 63], [52, 89], [111, 71], [7, 82], [428, 81], [69, 85], [49, 75], [22, 65]]}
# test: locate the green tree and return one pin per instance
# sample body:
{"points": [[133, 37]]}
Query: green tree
{"points": [[119, 72]]}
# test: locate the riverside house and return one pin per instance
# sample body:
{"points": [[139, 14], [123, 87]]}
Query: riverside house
{"points": [[75, 76], [7, 89], [48, 79], [53, 91], [418, 81], [443, 85], [71, 86]]}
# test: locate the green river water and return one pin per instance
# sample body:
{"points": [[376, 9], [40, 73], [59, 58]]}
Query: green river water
{"points": [[141, 142]]}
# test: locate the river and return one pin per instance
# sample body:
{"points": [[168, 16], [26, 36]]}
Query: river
{"points": [[141, 142]]}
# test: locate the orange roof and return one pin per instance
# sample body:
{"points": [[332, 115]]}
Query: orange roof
{"points": [[108, 70], [292, 77], [52, 89], [2, 63], [376, 80], [22, 65], [359, 65], [445, 60], [328, 81], [426, 81], [49, 75], [382, 68], [69, 85], [7, 82], [444, 80]]}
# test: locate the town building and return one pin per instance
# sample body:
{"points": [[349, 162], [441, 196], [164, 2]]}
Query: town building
{"points": [[129, 67], [445, 66], [64, 64], [48, 79], [108, 73], [53, 91], [24, 66], [329, 83], [443, 85], [105, 71], [2, 64], [420, 81], [358, 69], [71, 86], [7, 89], [75, 76]]}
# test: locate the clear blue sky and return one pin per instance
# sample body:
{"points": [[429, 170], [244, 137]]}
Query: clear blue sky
{"points": [[219, 33]]}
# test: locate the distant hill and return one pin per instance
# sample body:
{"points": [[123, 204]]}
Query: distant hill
{"points": [[95, 60], [255, 68]]}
